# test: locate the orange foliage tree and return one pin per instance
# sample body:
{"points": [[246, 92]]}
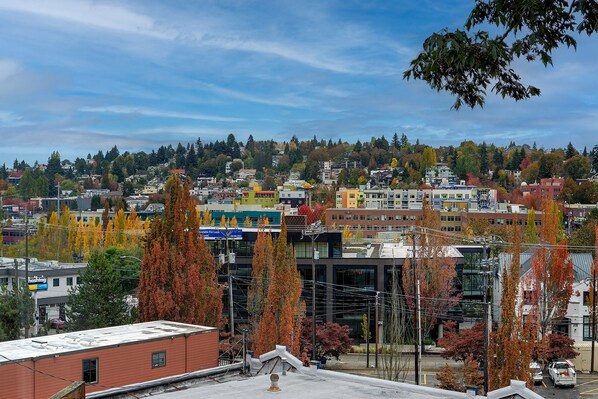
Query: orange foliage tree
{"points": [[283, 309], [510, 348], [258, 289], [551, 277], [435, 270], [178, 279]]}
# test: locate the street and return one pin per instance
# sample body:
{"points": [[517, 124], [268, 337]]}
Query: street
{"points": [[587, 385]]}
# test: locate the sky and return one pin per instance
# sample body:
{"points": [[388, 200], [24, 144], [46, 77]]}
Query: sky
{"points": [[79, 76]]}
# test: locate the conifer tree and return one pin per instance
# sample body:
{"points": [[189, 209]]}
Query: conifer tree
{"points": [[178, 279], [99, 301]]}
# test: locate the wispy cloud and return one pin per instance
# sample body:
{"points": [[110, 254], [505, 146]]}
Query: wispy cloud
{"points": [[10, 119], [92, 14], [125, 110], [291, 101]]}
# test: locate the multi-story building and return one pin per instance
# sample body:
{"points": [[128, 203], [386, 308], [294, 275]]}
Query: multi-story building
{"points": [[59, 277], [371, 222], [292, 198], [547, 188], [348, 198], [267, 199], [472, 197], [440, 176]]}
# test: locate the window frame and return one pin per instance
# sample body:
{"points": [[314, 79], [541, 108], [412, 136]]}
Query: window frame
{"points": [[161, 359], [88, 371], [56, 282]]}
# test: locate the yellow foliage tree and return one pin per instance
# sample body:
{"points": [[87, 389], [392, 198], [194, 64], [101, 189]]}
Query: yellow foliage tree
{"points": [[247, 222]]}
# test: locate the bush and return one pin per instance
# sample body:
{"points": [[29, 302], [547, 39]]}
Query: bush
{"points": [[332, 339]]}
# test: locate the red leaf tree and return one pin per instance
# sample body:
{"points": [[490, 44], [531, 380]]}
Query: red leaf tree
{"points": [[178, 279], [332, 339], [463, 344], [283, 308]]}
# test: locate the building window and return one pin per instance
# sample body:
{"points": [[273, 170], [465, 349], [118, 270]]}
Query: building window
{"points": [[90, 371], [69, 281], [56, 282], [158, 359], [78, 280], [587, 329]]}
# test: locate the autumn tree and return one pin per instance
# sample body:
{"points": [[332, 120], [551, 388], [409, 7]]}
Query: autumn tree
{"points": [[332, 339], [283, 310], [551, 276], [460, 345], [435, 271], [447, 379], [178, 279], [258, 289], [531, 232], [509, 351]]}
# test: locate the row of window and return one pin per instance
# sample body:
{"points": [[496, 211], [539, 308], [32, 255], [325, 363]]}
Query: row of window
{"points": [[375, 217], [69, 281], [91, 366]]}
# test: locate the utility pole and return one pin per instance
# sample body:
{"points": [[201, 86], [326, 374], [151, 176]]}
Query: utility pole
{"points": [[594, 300], [487, 322], [367, 338], [376, 312], [416, 309], [313, 231], [231, 311]]}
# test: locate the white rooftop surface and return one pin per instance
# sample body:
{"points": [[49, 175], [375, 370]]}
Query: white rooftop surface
{"points": [[325, 384], [93, 339], [401, 250]]}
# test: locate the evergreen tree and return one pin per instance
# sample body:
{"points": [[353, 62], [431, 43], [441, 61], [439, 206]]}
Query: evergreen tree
{"points": [[395, 141], [483, 153], [570, 151], [99, 301]]}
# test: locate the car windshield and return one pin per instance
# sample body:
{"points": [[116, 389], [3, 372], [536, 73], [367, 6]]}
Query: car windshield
{"points": [[561, 366]]}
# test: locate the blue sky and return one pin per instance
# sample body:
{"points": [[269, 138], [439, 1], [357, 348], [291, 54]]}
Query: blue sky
{"points": [[78, 76]]}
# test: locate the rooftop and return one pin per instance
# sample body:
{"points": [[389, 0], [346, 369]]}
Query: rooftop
{"points": [[58, 344], [325, 384]]}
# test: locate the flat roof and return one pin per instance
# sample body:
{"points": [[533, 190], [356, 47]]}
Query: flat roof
{"points": [[86, 340], [325, 385]]}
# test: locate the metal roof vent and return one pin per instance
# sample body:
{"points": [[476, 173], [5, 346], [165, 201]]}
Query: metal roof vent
{"points": [[274, 383]]}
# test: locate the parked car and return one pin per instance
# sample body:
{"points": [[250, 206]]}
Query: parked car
{"points": [[536, 372], [56, 323], [562, 373]]}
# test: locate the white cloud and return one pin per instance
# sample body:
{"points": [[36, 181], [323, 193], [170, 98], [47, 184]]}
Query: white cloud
{"points": [[10, 119], [94, 14], [125, 110]]}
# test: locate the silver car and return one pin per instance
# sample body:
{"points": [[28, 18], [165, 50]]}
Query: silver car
{"points": [[536, 372]]}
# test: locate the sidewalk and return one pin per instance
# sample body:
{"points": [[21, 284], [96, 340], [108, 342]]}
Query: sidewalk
{"points": [[357, 361]]}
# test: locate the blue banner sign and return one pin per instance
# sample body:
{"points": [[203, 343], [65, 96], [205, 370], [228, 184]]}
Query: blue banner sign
{"points": [[220, 233]]}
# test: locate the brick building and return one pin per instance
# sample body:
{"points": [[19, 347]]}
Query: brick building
{"points": [[104, 358]]}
